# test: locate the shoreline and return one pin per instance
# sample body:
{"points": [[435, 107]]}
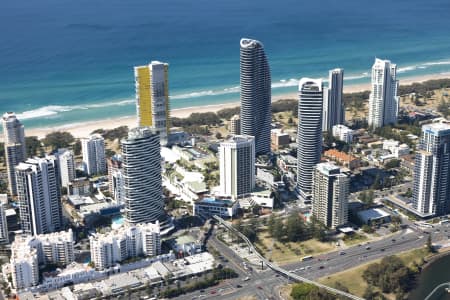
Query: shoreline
{"points": [[83, 129]]}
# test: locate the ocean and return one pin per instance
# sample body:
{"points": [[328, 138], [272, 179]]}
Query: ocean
{"points": [[64, 62]]}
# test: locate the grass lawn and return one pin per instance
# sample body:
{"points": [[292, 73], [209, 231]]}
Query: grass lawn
{"points": [[354, 239], [353, 280], [283, 253]]}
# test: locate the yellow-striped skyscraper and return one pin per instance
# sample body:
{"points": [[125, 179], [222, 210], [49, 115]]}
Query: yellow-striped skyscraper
{"points": [[152, 97]]}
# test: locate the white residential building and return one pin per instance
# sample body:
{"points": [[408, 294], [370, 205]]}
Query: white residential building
{"points": [[4, 239], [383, 100], [24, 268], [93, 149], [116, 178], [66, 165], [235, 125], [141, 162], [333, 104], [343, 133], [125, 242], [431, 193], [330, 195], [39, 196], [309, 138], [15, 149], [237, 166], [53, 248]]}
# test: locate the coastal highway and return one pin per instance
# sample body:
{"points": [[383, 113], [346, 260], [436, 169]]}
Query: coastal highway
{"points": [[265, 284]]}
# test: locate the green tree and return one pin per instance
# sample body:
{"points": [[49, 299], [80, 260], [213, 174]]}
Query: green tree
{"points": [[33, 146], [430, 247], [278, 230], [58, 139], [77, 147]]}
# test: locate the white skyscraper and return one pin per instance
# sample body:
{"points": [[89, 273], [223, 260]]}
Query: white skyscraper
{"points": [[431, 193], [256, 107], [309, 138], [330, 195], [383, 100], [141, 162], [93, 149], [237, 166], [4, 239], [15, 149], [66, 164], [152, 97], [116, 179], [333, 104], [38, 194]]}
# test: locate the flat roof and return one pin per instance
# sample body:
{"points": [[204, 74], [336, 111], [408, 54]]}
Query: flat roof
{"points": [[214, 201], [372, 214]]}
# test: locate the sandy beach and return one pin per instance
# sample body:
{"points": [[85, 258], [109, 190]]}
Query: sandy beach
{"points": [[79, 130]]}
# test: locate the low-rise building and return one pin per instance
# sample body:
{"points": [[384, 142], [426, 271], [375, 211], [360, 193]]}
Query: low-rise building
{"points": [[374, 215], [279, 139], [343, 133], [186, 245], [343, 158], [396, 148], [207, 207], [80, 187]]}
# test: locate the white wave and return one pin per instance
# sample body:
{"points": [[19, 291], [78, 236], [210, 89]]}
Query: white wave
{"points": [[436, 63], [285, 83], [407, 69], [52, 110], [354, 77]]}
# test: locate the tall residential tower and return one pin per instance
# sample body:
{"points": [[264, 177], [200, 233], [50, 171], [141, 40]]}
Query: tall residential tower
{"points": [[330, 195], [39, 196], [152, 97], [309, 138], [383, 100], [93, 149], [432, 170], [256, 114], [141, 163], [333, 104], [15, 150], [237, 166]]}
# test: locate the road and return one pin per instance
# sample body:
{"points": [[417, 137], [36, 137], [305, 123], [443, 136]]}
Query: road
{"points": [[265, 284], [261, 284]]}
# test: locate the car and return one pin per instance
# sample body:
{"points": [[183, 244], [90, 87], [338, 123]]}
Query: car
{"points": [[212, 292], [247, 278], [342, 253], [382, 249], [394, 240], [202, 291], [238, 286], [368, 248], [259, 287], [321, 267]]}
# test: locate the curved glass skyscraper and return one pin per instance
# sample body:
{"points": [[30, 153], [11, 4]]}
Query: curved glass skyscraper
{"points": [[309, 138], [256, 114], [141, 162]]}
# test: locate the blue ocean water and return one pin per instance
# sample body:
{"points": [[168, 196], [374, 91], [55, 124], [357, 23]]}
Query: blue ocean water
{"points": [[67, 61]]}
